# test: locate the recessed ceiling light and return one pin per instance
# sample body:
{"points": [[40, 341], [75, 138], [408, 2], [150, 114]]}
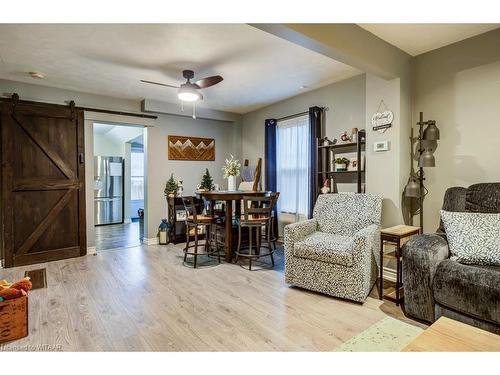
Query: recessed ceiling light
{"points": [[37, 75], [304, 87]]}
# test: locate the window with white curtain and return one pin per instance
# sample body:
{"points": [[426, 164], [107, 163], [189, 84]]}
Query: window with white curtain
{"points": [[293, 166], [137, 175]]}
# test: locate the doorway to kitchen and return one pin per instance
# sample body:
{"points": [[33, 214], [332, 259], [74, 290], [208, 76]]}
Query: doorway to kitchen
{"points": [[119, 185]]}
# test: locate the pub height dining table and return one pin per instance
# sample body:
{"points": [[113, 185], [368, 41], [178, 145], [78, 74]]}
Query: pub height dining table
{"points": [[229, 197]]}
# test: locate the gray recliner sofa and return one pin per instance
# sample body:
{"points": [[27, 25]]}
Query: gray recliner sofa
{"points": [[437, 286]]}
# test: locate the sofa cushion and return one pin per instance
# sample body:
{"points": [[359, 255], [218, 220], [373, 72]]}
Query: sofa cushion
{"points": [[454, 201], [326, 247], [483, 197], [473, 237], [468, 289]]}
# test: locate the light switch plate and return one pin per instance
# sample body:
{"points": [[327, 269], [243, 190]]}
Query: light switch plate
{"points": [[381, 146]]}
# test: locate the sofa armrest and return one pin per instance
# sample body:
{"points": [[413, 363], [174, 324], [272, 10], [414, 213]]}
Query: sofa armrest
{"points": [[298, 231], [367, 238], [366, 248], [421, 256]]}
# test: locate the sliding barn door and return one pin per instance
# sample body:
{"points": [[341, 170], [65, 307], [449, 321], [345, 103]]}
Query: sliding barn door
{"points": [[43, 193]]}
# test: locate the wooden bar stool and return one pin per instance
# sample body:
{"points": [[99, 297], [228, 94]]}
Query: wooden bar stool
{"points": [[194, 223], [256, 217]]}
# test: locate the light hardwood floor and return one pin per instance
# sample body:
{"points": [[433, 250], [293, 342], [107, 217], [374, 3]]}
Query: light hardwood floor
{"points": [[115, 236], [143, 298]]}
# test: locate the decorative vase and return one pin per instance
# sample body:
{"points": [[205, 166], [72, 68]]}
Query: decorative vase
{"points": [[231, 183]]}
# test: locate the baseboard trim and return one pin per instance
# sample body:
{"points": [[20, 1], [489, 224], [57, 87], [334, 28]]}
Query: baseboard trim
{"points": [[151, 241], [91, 250], [390, 274]]}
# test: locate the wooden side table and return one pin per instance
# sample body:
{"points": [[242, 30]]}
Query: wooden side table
{"points": [[396, 236], [448, 335]]}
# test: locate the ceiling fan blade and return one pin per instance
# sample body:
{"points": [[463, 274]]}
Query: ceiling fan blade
{"points": [[160, 84], [208, 81]]}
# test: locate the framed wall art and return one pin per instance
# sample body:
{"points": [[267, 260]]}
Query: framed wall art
{"points": [[191, 148]]}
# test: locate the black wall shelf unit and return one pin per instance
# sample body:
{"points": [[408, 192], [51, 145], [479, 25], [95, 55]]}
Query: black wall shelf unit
{"points": [[327, 153]]}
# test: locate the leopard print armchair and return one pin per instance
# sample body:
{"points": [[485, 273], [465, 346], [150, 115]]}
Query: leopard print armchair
{"points": [[335, 252]]}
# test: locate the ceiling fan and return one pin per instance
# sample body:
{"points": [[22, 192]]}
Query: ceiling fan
{"points": [[188, 92]]}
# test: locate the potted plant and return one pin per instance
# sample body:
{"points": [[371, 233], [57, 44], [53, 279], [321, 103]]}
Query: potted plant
{"points": [[341, 164], [230, 171], [206, 182], [171, 187]]}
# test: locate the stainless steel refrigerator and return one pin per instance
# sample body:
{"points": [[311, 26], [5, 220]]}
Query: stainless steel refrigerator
{"points": [[108, 190]]}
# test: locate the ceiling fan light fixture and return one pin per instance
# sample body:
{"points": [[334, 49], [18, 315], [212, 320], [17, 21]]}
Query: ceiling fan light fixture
{"points": [[188, 94]]}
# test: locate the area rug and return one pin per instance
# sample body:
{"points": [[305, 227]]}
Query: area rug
{"points": [[387, 335]]}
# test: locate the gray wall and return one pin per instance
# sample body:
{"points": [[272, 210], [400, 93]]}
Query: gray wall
{"points": [[388, 71], [345, 100], [104, 146], [227, 141], [459, 87], [351, 103], [159, 167]]}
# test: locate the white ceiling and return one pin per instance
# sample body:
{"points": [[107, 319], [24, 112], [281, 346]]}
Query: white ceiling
{"points": [[418, 38], [258, 68], [118, 133]]}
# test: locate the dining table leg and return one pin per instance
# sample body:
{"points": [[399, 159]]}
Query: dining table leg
{"points": [[229, 231]]}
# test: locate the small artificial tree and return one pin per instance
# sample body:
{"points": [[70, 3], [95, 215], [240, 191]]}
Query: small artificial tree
{"points": [[171, 186], [206, 181]]}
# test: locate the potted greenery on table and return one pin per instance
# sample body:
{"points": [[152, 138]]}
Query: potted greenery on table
{"points": [[341, 164]]}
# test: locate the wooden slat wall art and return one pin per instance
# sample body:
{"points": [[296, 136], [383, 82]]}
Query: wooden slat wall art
{"points": [[191, 148]]}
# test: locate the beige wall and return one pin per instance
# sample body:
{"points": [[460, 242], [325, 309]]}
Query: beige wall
{"points": [[345, 100], [383, 169], [459, 87]]}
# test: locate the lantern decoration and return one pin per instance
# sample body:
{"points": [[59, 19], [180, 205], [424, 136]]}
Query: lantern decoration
{"points": [[164, 232]]}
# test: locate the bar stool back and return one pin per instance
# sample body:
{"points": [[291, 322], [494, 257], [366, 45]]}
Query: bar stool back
{"points": [[194, 223], [256, 216]]}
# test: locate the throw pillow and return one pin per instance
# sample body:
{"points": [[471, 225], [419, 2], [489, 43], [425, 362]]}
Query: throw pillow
{"points": [[474, 237]]}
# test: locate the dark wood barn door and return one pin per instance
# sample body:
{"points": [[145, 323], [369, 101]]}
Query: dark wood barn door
{"points": [[43, 183]]}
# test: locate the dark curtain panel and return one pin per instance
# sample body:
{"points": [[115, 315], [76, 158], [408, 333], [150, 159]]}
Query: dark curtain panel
{"points": [[315, 128], [270, 159], [270, 164]]}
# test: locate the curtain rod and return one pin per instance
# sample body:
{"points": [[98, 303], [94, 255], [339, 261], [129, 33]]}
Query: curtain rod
{"points": [[298, 114], [292, 116]]}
